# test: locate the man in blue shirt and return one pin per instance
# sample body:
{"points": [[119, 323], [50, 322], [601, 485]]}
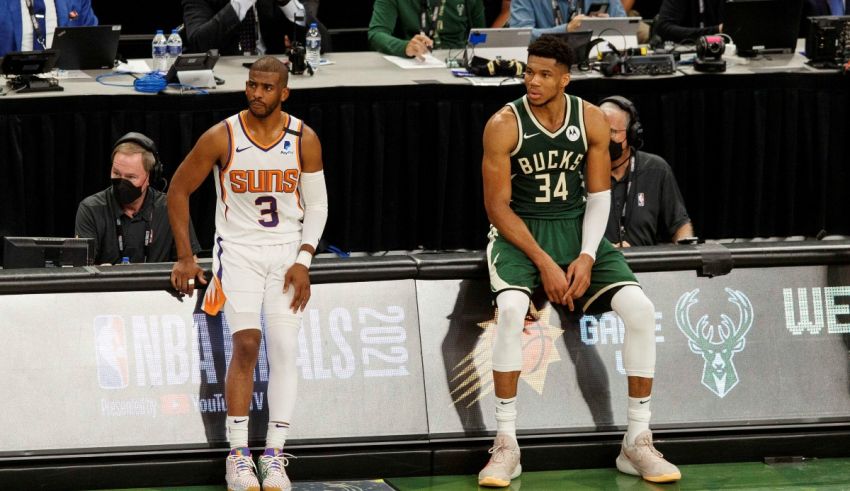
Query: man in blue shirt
{"points": [[555, 16], [29, 25]]}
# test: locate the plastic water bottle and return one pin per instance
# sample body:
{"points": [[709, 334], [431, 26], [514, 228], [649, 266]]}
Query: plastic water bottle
{"points": [[125, 260], [314, 46], [159, 52], [174, 48]]}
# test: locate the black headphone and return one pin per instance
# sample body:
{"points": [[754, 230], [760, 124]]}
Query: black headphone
{"points": [[634, 133], [148, 144]]}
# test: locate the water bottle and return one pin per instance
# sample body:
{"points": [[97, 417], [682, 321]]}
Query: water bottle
{"points": [[314, 46], [159, 52], [125, 260], [174, 48]]}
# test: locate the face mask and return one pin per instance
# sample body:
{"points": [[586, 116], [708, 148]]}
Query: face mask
{"points": [[615, 150], [124, 191]]}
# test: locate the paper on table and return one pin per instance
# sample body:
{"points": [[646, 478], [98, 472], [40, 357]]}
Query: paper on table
{"points": [[493, 81], [133, 66], [412, 63], [71, 74]]}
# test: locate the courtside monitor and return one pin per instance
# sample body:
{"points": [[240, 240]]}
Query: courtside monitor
{"points": [[46, 252], [762, 26]]}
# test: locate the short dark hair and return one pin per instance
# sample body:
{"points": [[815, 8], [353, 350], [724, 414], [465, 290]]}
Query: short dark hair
{"points": [[555, 48], [270, 64]]}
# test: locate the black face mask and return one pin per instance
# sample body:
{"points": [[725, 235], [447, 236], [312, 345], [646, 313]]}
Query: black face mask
{"points": [[615, 149], [124, 191]]}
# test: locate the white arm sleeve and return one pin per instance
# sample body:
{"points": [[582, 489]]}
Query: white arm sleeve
{"points": [[595, 221], [315, 207], [293, 9], [241, 7]]}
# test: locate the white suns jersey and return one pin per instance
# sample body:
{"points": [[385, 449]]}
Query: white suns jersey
{"points": [[259, 200]]}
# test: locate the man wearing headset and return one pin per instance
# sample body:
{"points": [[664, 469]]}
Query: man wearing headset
{"points": [[129, 218], [646, 205]]}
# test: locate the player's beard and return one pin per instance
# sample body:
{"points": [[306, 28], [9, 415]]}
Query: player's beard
{"points": [[542, 104], [255, 110]]}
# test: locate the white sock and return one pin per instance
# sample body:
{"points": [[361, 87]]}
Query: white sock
{"points": [[638, 417], [506, 416], [237, 431], [276, 435]]}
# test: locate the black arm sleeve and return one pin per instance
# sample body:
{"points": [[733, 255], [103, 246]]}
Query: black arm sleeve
{"points": [[206, 27], [676, 22]]}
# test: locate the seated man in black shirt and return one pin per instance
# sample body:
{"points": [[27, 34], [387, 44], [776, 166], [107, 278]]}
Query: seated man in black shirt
{"points": [[247, 27], [129, 218], [646, 205], [681, 20]]}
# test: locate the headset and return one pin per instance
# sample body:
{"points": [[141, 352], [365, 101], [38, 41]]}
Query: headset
{"points": [[634, 133], [148, 144]]}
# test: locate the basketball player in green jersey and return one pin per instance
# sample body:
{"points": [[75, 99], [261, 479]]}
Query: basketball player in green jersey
{"points": [[547, 182]]}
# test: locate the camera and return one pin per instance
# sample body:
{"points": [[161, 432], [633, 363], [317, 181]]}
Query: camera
{"points": [[709, 54], [298, 60]]}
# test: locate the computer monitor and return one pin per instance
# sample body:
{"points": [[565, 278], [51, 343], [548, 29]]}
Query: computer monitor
{"points": [[762, 26], [86, 47], [46, 252], [506, 43], [579, 41]]}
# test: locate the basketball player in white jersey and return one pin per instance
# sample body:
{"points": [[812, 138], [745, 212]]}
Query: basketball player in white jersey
{"points": [[271, 210]]}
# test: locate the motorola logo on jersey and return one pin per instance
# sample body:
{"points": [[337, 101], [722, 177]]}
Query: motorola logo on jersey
{"points": [[573, 133], [717, 343]]}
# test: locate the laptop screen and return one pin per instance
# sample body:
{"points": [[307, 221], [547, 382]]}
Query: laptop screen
{"points": [[86, 48], [762, 26]]}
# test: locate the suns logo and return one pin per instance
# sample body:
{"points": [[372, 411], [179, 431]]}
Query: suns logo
{"points": [[473, 375]]}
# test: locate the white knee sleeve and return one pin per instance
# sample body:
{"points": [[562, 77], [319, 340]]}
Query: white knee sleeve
{"points": [[638, 314], [282, 350], [507, 347]]}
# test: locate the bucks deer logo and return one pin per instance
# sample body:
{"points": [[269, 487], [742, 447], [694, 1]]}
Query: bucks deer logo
{"points": [[716, 343]]}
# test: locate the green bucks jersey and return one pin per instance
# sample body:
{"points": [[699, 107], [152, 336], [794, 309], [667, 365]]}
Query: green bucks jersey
{"points": [[547, 169]]}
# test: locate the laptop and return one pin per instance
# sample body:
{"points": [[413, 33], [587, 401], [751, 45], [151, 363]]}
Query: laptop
{"points": [[762, 26], [504, 42], [86, 48], [579, 41], [619, 31]]}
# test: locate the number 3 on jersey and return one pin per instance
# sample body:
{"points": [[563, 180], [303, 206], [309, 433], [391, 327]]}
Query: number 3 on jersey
{"points": [[272, 218], [560, 190]]}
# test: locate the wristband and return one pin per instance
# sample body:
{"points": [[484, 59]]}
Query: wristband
{"points": [[304, 258]]}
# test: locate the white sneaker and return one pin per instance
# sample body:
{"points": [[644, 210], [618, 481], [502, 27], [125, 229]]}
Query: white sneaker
{"points": [[241, 472], [273, 471], [641, 459], [504, 464]]}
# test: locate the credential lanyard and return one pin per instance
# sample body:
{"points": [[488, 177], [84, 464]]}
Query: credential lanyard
{"points": [[623, 220], [37, 34], [119, 230], [428, 20]]}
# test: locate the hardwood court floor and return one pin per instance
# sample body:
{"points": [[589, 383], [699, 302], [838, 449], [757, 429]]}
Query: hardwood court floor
{"points": [[813, 475]]}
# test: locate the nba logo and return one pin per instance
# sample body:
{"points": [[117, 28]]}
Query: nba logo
{"points": [[110, 344], [641, 200]]}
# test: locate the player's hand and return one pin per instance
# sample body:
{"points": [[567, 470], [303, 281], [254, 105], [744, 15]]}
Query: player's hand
{"points": [[578, 277], [554, 282], [622, 244], [185, 274], [418, 46], [575, 24], [298, 277]]}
